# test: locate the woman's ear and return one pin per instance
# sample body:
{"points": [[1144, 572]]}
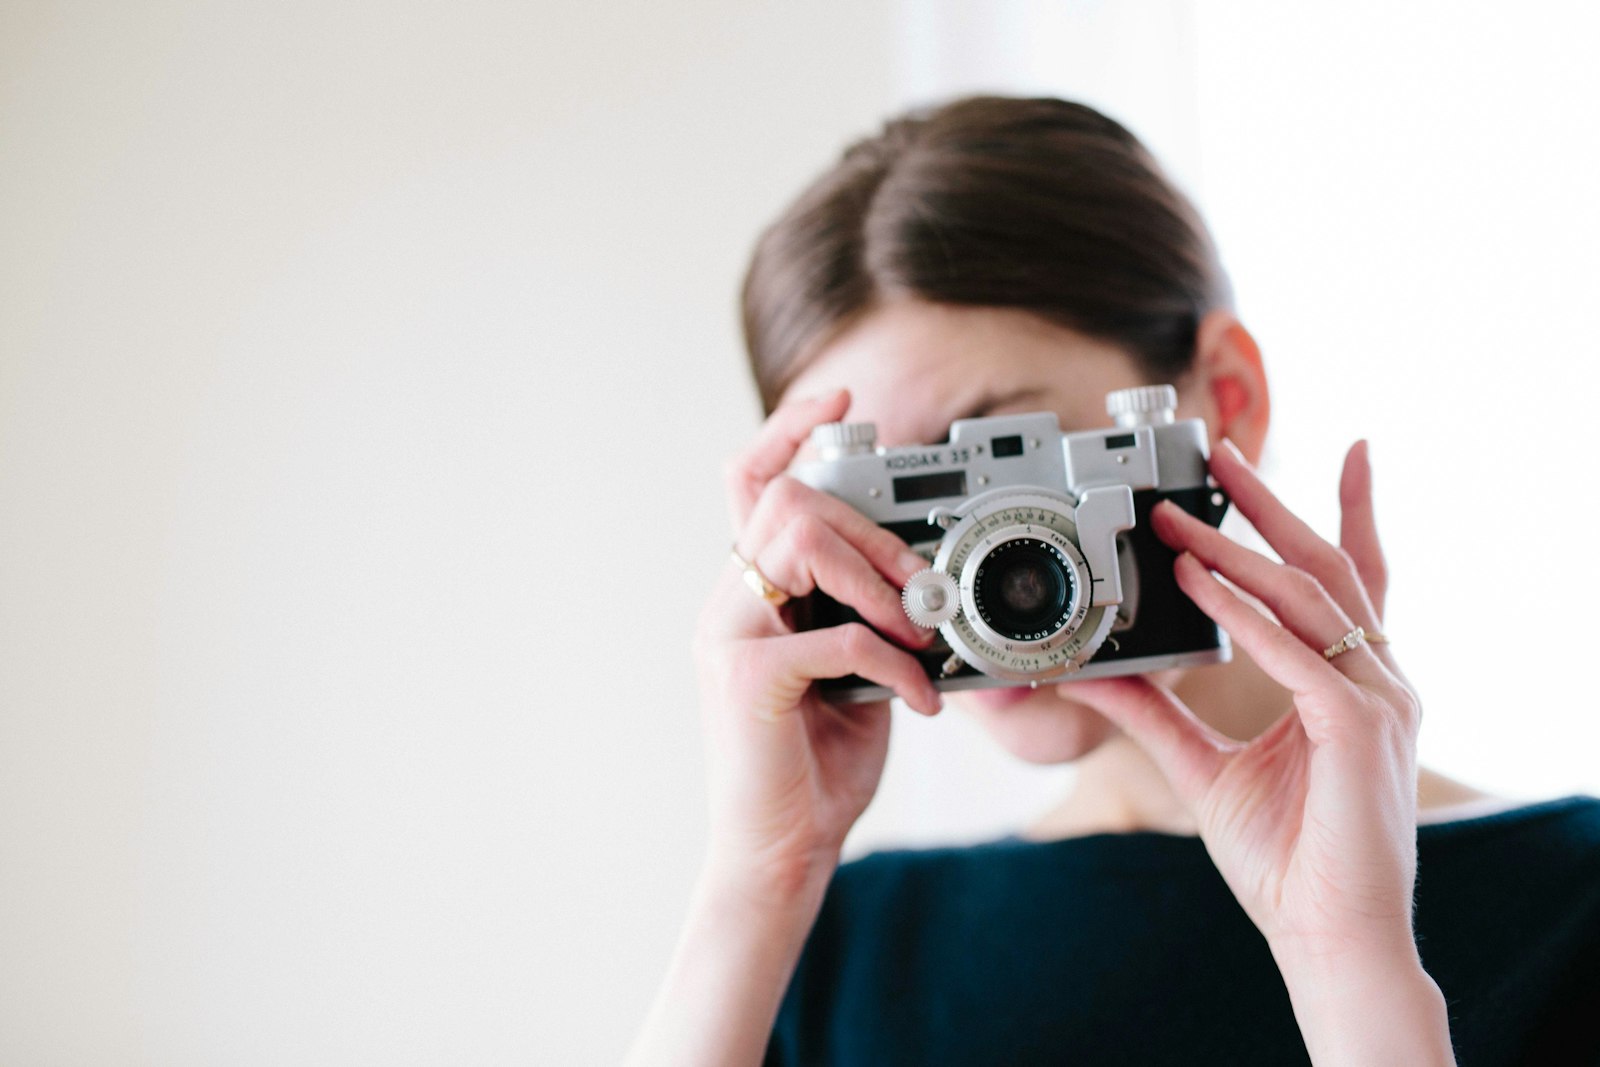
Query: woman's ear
{"points": [[1227, 386]]}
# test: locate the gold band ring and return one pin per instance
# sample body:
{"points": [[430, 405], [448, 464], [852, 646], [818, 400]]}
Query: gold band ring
{"points": [[758, 583], [1358, 636]]}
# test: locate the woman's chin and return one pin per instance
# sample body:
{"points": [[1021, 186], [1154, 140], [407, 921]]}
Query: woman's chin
{"points": [[1035, 725]]}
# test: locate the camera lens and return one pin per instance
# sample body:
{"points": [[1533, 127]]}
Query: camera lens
{"points": [[1023, 589]]}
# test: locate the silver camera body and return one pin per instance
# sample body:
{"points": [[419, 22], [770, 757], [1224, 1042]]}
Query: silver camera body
{"points": [[1043, 566]]}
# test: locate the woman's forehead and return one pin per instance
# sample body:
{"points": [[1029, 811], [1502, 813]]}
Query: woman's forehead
{"points": [[913, 368]]}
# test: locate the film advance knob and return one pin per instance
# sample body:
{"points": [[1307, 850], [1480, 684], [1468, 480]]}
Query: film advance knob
{"points": [[1143, 405], [835, 439], [930, 598]]}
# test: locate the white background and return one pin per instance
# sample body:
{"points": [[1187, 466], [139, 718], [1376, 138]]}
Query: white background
{"points": [[365, 374]]}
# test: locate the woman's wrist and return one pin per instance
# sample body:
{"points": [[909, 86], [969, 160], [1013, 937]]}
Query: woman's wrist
{"points": [[1370, 1005], [757, 898], [769, 881], [742, 938]]}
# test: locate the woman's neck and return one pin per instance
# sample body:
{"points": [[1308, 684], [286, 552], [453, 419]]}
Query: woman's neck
{"points": [[1118, 789]]}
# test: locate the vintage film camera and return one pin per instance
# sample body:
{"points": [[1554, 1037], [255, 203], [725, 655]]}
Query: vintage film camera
{"points": [[1044, 565]]}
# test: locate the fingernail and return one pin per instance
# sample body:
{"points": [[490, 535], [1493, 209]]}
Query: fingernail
{"points": [[821, 400], [1233, 449], [1173, 522], [911, 563]]}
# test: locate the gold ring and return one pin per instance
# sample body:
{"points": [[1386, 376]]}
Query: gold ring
{"points": [[1358, 636], [758, 582]]}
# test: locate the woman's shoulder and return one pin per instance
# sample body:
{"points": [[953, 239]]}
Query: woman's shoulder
{"points": [[1574, 818], [1530, 860], [1508, 924]]}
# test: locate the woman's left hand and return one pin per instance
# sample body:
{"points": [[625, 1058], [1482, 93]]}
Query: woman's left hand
{"points": [[1313, 823]]}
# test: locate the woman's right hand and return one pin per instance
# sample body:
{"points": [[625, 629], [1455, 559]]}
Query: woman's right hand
{"points": [[789, 772]]}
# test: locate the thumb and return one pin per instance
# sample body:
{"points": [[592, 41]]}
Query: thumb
{"points": [[1190, 753]]}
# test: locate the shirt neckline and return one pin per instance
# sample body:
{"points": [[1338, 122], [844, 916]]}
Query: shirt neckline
{"points": [[1452, 819]]}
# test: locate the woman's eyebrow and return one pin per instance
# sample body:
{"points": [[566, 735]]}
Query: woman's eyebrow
{"points": [[985, 402], [994, 400]]}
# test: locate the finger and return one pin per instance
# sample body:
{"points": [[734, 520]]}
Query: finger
{"points": [[1299, 601], [776, 671], [774, 448], [1286, 658], [1290, 536], [1188, 751], [809, 554], [1358, 529], [785, 497]]}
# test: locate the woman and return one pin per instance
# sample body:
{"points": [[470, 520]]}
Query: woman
{"points": [[1235, 876]]}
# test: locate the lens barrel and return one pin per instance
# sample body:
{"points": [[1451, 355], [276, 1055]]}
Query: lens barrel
{"points": [[1023, 589]]}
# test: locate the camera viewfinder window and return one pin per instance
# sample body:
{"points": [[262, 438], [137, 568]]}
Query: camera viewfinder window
{"points": [[1121, 440], [1001, 447], [930, 486]]}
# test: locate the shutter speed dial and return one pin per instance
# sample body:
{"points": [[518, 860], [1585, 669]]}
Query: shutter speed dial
{"points": [[1143, 405], [931, 598], [835, 440]]}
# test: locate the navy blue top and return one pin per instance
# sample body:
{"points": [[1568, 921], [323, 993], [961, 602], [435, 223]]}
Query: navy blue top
{"points": [[1129, 948]]}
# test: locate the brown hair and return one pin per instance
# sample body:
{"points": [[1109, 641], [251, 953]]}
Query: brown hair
{"points": [[1038, 204]]}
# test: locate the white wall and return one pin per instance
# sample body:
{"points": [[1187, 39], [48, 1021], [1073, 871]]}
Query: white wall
{"points": [[365, 373], [1405, 194]]}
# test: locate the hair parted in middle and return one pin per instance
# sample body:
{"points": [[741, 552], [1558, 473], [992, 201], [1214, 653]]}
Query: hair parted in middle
{"points": [[1037, 204]]}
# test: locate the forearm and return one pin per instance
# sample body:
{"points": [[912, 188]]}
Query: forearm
{"points": [[1376, 1008], [728, 973]]}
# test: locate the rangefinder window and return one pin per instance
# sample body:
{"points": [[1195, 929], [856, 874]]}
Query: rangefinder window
{"points": [[930, 486], [1001, 447], [1121, 440]]}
